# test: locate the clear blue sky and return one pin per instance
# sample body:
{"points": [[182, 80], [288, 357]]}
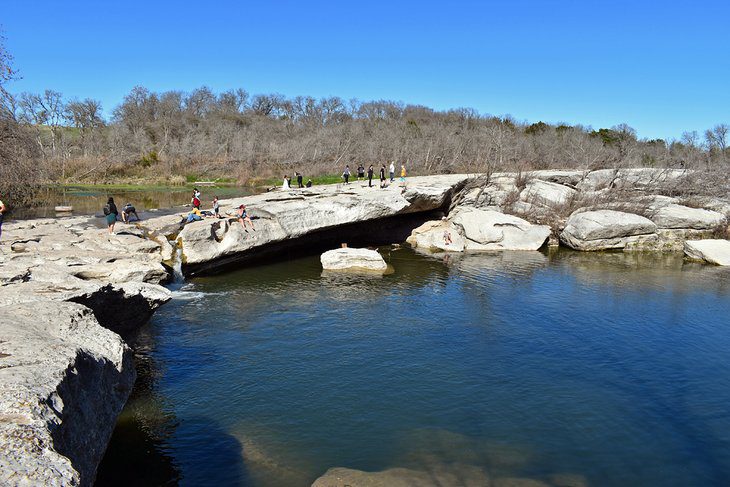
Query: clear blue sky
{"points": [[662, 67]]}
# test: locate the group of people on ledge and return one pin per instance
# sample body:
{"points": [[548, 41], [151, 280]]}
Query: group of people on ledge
{"points": [[300, 181], [287, 184], [371, 171], [196, 214]]}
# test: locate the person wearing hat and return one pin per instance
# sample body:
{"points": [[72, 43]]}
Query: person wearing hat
{"points": [[243, 218]]}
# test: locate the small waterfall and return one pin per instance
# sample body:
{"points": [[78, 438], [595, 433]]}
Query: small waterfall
{"points": [[177, 273]]}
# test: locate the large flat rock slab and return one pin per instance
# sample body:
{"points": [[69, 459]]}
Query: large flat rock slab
{"points": [[352, 259], [713, 251], [606, 229], [678, 216]]}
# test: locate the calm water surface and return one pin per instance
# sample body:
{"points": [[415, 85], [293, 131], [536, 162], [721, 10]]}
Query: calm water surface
{"points": [[610, 367]]}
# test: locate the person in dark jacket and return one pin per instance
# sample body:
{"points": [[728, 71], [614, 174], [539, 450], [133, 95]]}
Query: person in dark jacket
{"points": [[382, 176], [370, 176], [111, 213]]}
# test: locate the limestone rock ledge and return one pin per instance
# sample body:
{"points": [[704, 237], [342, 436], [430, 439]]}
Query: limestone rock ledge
{"points": [[64, 379], [282, 216]]}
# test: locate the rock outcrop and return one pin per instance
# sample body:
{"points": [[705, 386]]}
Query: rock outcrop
{"points": [[479, 230], [675, 216], [69, 290], [606, 229], [713, 251], [283, 216], [352, 259], [64, 380], [546, 193]]}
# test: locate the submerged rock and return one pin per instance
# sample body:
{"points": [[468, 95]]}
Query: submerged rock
{"points": [[713, 251], [606, 229], [458, 475], [353, 259]]}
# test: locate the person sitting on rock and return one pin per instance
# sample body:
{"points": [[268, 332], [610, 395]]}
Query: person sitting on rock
{"points": [[194, 216], [309, 183], [128, 211], [243, 218]]}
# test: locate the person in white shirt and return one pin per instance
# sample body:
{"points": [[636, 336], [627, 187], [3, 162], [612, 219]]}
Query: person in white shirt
{"points": [[392, 172]]}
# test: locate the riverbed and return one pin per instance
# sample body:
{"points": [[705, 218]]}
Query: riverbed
{"points": [[604, 368]]}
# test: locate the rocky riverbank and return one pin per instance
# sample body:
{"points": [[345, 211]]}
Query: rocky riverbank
{"points": [[71, 293]]}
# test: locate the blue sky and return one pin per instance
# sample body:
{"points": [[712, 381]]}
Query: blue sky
{"points": [[661, 67]]}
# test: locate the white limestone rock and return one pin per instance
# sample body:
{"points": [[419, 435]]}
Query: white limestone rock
{"points": [[288, 215], [546, 193], [491, 230], [607, 229], [353, 259], [713, 251], [64, 380], [678, 216], [479, 230], [598, 180], [437, 235]]}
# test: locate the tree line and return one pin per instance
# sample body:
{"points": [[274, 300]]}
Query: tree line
{"points": [[235, 135]]}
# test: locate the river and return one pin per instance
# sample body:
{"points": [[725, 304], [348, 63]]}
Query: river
{"points": [[610, 369]]}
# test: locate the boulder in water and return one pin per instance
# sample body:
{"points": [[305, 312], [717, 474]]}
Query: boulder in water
{"points": [[353, 259], [713, 251], [606, 229]]}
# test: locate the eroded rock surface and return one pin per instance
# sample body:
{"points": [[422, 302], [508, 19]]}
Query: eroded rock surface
{"points": [[68, 290], [64, 380], [282, 216], [479, 230]]}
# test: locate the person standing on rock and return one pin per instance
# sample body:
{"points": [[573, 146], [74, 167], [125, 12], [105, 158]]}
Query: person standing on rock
{"points": [[216, 207], [299, 179], [346, 174], [360, 171], [2, 216], [195, 201], [382, 176], [285, 184], [370, 176], [392, 171], [403, 174], [111, 213]]}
